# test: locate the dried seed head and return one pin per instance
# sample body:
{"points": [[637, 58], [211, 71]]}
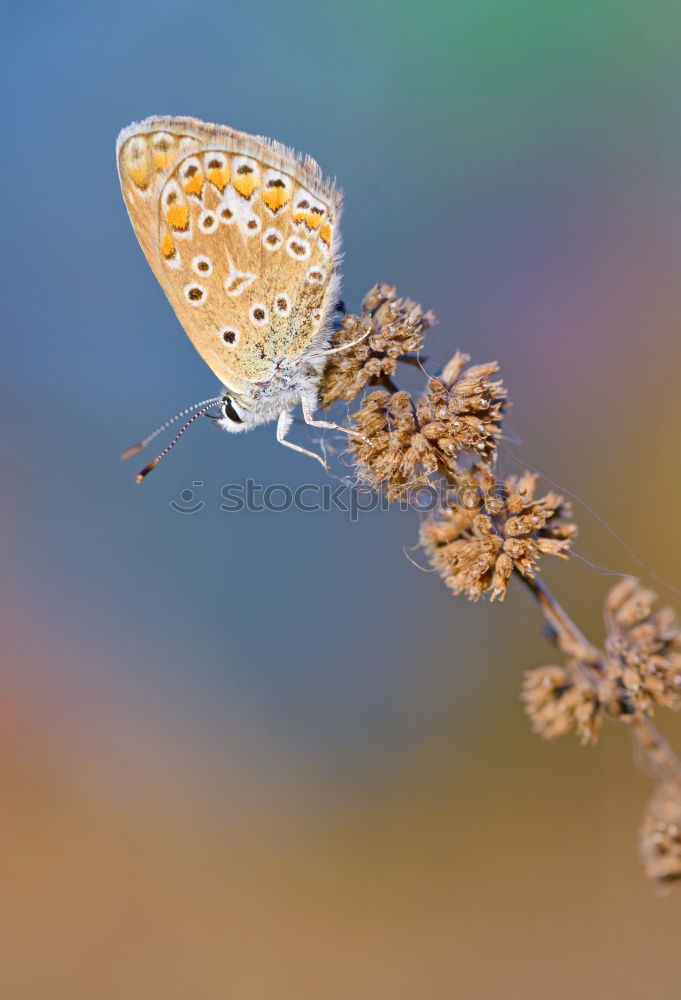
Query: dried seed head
{"points": [[388, 329], [558, 701], [394, 456], [660, 835], [406, 442], [462, 410], [643, 650], [476, 549]]}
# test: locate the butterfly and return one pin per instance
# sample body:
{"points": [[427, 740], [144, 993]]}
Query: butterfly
{"points": [[243, 236]]}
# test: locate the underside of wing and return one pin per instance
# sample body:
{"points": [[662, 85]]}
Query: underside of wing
{"points": [[242, 235]]}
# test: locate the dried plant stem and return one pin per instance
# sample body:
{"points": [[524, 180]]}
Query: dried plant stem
{"points": [[567, 635], [662, 758], [488, 529], [566, 632]]}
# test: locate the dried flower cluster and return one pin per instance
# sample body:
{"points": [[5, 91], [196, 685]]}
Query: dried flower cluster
{"points": [[462, 409], [476, 551], [388, 329], [640, 666], [558, 701], [643, 650], [392, 455], [488, 529], [406, 440], [660, 835]]}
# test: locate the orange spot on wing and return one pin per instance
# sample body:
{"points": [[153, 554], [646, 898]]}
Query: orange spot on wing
{"points": [[245, 185], [311, 219], [219, 177], [177, 215], [139, 176], [161, 160], [167, 245], [325, 233], [195, 183], [275, 198]]}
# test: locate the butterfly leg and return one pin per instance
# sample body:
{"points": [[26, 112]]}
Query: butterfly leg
{"points": [[283, 426], [309, 404], [344, 347]]}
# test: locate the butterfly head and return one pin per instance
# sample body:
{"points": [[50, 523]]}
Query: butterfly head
{"points": [[232, 417]]}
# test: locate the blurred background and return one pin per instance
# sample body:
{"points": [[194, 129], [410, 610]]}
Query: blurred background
{"points": [[260, 754]]}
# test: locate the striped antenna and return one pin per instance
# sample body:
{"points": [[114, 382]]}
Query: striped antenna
{"points": [[136, 448], [152, 465]]}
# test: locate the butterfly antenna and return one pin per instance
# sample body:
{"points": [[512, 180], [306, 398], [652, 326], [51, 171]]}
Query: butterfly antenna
{"points": [[152, 465], [205, 403]]}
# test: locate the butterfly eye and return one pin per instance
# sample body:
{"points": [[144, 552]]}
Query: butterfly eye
{"points": [[229, 411]]}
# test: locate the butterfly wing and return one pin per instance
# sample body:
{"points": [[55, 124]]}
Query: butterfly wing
{"points": [[242, 235]]}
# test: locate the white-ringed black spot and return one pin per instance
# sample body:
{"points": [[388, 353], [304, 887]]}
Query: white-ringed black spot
{"points": [[282, 304], [297, 248], [272, 239], [202, 265], [208, 222], [195, 294], [259, 314], [251, 225], [315, 275], [229, 335]]}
